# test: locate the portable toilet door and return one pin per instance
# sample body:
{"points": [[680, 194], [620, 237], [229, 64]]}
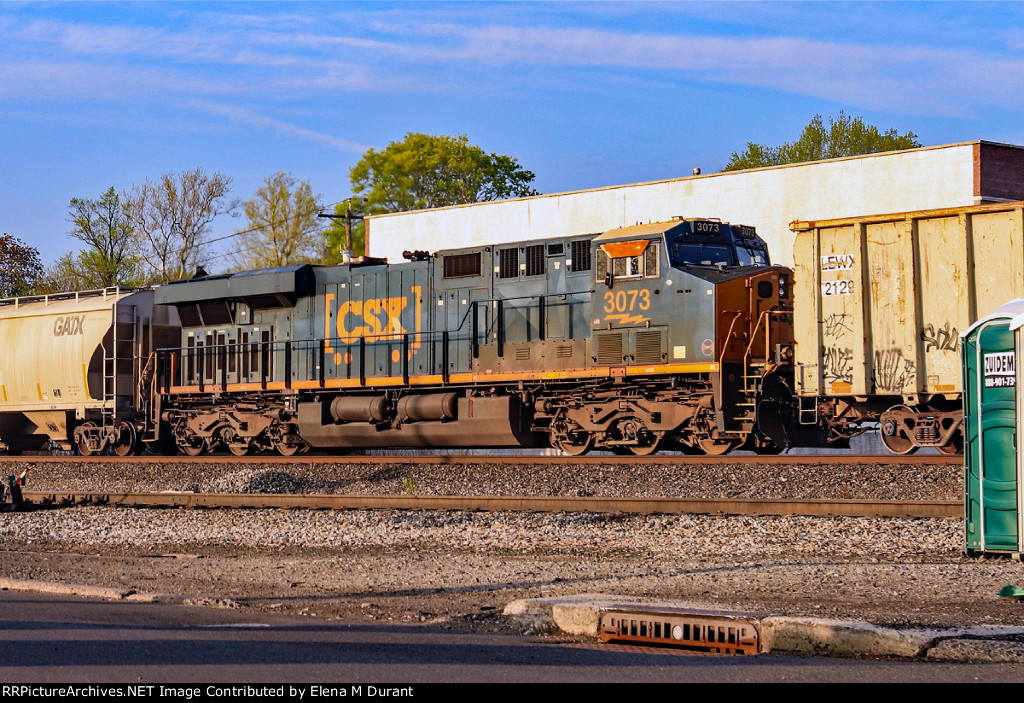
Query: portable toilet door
{"points": [[992, 506]]}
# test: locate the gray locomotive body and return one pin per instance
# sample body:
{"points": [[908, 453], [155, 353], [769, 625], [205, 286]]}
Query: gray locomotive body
{"points": [[631, 340]]}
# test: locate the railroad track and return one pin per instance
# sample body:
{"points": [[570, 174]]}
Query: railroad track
{"points": [[504, 459], [730, 506]]}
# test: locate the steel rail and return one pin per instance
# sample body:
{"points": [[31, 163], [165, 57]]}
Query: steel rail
{"points": [[505, 459], [675, 506]]}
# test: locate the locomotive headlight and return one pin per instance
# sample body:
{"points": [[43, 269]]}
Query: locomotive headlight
{"points": [[783, 353]]}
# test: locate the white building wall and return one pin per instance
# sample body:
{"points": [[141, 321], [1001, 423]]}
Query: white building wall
{"points": [[768, 198]]}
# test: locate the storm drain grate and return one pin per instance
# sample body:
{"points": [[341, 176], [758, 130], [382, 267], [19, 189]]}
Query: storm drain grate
{"points": [[700, 630]]}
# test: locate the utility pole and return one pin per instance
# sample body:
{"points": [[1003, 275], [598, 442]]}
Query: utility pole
{"points": [[349, 217]]}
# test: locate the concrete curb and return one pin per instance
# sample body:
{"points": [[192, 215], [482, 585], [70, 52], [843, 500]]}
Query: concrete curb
{"points": [[112, 593], [580, 615]]}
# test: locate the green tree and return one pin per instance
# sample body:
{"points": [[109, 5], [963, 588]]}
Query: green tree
{"points": [[283, 228], [424, 171], [20, 267], [172, 217], [68, 273], [111, 258], [844, 136]]}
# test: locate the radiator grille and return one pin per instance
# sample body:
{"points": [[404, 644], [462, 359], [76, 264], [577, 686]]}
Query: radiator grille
{"points": [[609, 349], [648, 347], [535, 260], [508, 263], [523, 354], [580, 251]]}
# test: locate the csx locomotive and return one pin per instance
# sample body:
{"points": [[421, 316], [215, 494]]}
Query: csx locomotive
{"points": [[675, 335]]}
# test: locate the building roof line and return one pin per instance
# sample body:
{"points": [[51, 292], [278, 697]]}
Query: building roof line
{"points": [[719, 174]]}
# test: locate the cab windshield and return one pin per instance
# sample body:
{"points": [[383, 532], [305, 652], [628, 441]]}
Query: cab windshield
{"points": [[701, 254], [752, 254], [717, 254]]}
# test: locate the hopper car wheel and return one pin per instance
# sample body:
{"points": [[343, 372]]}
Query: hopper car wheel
{"points": [[955, 446], [126, 439], [893, 440], [83, 446]]}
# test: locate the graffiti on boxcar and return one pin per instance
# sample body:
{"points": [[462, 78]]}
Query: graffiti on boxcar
{"points": [[837, 364], [945, 338], [893, 371], [836, 325]]}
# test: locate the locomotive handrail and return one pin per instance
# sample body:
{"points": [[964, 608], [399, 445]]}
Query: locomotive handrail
{"points": [[725, 345], [208, 365]]}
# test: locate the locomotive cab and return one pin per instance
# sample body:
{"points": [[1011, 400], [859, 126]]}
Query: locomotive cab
{"points": [[700, 299]]}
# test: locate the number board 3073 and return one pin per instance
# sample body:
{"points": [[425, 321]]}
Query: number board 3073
{"points": [[837, 287]]}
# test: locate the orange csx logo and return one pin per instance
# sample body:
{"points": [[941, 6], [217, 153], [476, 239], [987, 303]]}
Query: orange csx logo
{"points": [[376, 319]]}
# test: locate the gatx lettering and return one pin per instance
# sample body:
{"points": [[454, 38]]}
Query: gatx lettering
{"points": [[67, 325]]}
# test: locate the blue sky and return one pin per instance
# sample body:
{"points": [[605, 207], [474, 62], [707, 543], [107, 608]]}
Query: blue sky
{"points": [[94, 95]]}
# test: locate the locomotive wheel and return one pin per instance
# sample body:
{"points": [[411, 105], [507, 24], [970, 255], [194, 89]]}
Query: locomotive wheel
{"points": [[239, 446], [647, 443], [715, 447], [239, 449], [83, 446], [126, 439], [638, 439], [684, 445], [575, 444], [892, 438], [192, 447], [287, 449], [646, 449]]}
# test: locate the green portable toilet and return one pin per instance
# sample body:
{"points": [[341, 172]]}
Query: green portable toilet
{"points": [[992, 507]]}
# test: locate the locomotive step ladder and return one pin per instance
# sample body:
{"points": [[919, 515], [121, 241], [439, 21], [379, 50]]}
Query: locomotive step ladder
{"points": [[752, 374]]}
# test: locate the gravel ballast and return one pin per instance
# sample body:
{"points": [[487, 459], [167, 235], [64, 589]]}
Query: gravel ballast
{"points": [[461, 568]]}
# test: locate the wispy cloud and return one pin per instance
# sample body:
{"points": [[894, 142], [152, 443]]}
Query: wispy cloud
{"points": [[906, 78], [257, 120], [421, 49]]}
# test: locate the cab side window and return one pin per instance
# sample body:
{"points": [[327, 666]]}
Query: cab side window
{"points": [[635, 262]]}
